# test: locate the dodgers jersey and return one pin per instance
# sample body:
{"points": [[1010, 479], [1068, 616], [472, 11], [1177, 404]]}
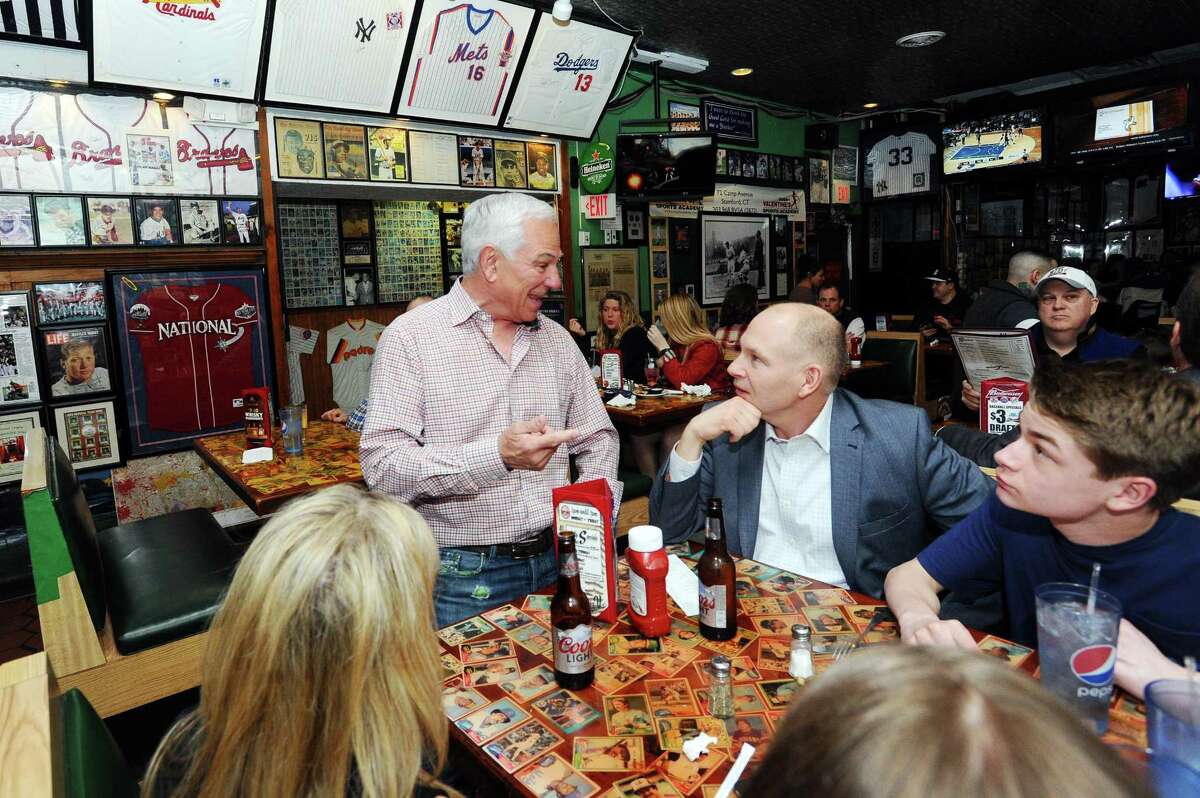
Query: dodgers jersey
{"points": [[30, 158], [466, 64], [196, 346], [93, 138], [900, 165], [351, 352]]}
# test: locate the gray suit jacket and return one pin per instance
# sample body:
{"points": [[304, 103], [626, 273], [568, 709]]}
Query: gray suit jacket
{"points": [[890, 478]]}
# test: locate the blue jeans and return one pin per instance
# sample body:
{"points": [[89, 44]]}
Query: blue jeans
{"points": [[470, 582]]}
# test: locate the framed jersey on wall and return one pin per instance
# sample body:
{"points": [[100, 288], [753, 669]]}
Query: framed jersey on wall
{"points": [[901, 161], [188, 342]]}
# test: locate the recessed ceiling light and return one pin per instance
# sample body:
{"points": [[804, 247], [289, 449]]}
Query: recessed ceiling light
{"points": [[164, 96], [922, 39], [870, 105], [742, 72]]}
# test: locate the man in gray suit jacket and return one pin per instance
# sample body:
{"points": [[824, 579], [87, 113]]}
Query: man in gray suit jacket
{"points": [[814, 479]]}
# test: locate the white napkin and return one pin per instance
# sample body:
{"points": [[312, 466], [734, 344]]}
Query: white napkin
{"points": [[696, 390], [683, 586], [620, 400], [261, 454], [697, 747]]}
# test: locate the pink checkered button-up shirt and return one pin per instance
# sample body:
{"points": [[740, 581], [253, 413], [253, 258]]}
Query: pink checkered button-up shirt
{"points": [[441, 394]]}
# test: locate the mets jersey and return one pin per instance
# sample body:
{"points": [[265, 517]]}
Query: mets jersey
{"points": [[196, 345], [900, 165], [465, 63], [30, 158], [351, 351]]}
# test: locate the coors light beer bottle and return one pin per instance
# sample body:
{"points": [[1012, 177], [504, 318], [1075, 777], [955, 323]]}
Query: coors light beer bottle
{"points": [[718, 600], [571, 622]]}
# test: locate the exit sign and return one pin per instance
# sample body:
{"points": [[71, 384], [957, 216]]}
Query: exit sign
{"points": [[600, 206]]}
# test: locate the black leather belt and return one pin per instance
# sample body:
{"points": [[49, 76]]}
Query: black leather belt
{"points": [[521, 550]]}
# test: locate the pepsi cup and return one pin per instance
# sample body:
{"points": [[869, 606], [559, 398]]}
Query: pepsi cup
{"points": [[1077, 649]]}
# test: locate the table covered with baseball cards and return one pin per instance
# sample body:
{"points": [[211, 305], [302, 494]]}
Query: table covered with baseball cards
{"points": [[330, 458], [623, 736]]}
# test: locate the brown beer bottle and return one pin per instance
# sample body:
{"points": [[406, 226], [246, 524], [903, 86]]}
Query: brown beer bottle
{"points": [[571, 622], [718, 599]]}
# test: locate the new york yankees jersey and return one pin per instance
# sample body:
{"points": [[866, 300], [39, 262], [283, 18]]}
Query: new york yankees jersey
{"points": [[196, 346], [30, 152], [900, 165], [94, 129], [351, 351], [213, 159], [464, 64]]}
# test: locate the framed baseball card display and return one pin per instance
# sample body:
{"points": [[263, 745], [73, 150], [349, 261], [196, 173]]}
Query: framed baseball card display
{"points": [[16, 221], [510, 164], [75, 361], [388, 148], [240, 222], [356, 66], [110, 222], [157, 221], [14, 432], [60, 221], [88, 434], [18, 363], [476, 161], [900, 161], [201, 221], [57, 304], [464, 60], [299, 151], [543, 165], [188, 343], [309, 257], [345, 151], [567, 78]]}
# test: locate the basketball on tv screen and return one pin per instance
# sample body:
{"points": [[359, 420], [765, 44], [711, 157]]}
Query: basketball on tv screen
{"points": [[1182, 179], [660, 166], [1001, 140], [1123, 122]]}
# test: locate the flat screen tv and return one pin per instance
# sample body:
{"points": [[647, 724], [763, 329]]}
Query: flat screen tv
{"points": [[1126, 122], [1001, 140], [1182, 178], [661, 166]]}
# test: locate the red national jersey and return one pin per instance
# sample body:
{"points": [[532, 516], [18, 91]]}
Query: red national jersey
{"points": [[196, 347]]}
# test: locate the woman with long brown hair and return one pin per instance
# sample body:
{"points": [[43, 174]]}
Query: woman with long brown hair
{"points": [[688, 354], [321, 675], [620, 328]]}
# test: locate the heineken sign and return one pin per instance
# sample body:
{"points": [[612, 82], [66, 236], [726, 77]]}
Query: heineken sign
{"points": [[597, 168]]}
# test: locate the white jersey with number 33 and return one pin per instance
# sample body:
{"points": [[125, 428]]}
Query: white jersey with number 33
{"points": [[466, 62], [900, 165]]}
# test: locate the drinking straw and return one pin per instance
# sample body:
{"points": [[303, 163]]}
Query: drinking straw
{"points": [[1091, 605]]}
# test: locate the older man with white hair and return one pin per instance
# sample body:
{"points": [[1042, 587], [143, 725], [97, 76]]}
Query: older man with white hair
{"points": [[476, 403]]}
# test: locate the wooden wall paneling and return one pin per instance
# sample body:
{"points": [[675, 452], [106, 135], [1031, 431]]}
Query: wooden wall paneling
{"points": [[318, 380], [271, 243]]}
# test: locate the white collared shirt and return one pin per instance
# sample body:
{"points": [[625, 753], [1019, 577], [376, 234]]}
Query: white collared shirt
{"points": [[795, 519]]}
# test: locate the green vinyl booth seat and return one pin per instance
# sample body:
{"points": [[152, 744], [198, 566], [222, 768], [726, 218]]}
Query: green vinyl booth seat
{"points": [[634, 484], [159, 579], [93, 765]]}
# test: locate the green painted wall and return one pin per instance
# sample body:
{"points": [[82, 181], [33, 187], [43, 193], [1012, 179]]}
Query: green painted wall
{"points": [[775, 135]]}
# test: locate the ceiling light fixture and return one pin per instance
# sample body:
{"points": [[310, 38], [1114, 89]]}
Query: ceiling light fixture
{"points": [[562, 10], [870, 105], [163, 96], [742, 72], [922, 39]]}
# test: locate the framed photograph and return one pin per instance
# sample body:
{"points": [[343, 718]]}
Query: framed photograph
{"points": [[818, 180], [735, 252], [345, 151], [356, 253], [511, 167], [355, 218], [57, 304], [157, 221], [685, 118], [110, 222], [658, 233], [76, 361], [730, 122], [60, 221], [845, 164], [18, 362], [635, 226], [359, 285], [16, 221], [476, 161], [190, 341], [299, 152], [149, 160], [388, 148], [14, 432], [240, 222], [543, 166], [88, 434], [201, 221]]}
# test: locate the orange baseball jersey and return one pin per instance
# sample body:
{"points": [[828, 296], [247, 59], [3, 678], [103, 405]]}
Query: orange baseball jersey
{"points": [[351, 352]]}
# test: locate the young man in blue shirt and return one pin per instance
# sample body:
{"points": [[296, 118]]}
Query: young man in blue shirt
{"points": [[1105, 449]]}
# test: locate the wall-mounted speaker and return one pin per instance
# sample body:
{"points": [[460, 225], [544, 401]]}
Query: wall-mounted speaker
{"points": [[822, 136]]}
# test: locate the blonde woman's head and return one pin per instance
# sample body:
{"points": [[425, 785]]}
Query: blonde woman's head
{"points": [[322, 664], [907, 722], [684, 320]]}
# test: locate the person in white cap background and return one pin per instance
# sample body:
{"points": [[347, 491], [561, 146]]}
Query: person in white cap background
{"points": [[946, 308]]}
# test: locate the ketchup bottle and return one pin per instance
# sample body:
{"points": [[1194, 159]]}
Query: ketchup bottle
{"points": [[648, 581]]}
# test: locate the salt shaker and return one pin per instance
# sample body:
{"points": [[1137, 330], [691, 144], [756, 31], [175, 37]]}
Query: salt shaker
{"points": [[800, 664], [720, 688]]}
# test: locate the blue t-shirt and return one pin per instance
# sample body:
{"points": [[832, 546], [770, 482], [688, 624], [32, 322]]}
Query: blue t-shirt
{"points": [[1156, 576]]}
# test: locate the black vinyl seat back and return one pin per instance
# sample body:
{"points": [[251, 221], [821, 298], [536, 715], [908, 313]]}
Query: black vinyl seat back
{"points": [[899, 381], [78, 528]]}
